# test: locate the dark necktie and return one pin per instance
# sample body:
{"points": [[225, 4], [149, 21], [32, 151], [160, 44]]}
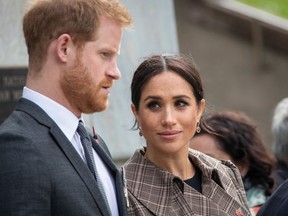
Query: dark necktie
{"points": [[87, 146]]}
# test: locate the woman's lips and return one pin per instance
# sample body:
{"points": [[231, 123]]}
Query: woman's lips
{"points": [[169, 134]]}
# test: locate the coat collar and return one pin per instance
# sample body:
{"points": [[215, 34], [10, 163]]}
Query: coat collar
{"points": [[142, 173], [145, 172]]}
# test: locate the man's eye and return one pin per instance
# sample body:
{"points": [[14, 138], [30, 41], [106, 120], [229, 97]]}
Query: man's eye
{"points": [[106, 54]]}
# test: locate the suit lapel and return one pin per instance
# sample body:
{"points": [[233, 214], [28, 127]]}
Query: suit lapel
{"points": [[100, 149], [80, 167], [103, 155], [64, 144]]}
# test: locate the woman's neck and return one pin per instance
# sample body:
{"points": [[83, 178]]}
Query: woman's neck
{"points": [[178, 165]]}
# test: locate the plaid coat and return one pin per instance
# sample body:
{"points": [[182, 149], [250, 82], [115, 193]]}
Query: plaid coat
{"points": [[153, 191]]}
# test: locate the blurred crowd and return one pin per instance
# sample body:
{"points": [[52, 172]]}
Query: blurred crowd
{"points": [[234, 136]]}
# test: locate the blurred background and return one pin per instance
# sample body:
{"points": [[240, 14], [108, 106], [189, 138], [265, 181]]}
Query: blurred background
{"points": [[241, 48]]}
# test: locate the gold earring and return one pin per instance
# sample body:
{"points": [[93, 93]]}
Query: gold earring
{"points": [[198, 129], [140, 132]]}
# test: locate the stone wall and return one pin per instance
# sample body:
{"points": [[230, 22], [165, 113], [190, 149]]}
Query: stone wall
{"points": [[231, 72]]}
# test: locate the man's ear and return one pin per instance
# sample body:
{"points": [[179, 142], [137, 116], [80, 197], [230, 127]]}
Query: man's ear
{"points": [[63, 47]]}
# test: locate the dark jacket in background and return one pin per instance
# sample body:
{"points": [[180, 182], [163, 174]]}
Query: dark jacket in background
{"points": [[277, 204], [280, 174]]}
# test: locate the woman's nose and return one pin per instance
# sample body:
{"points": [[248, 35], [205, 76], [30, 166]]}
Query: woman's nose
{"points": [[168, 117]]}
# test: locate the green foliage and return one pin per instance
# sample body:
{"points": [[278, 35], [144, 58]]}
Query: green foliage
{"points": [[277, 7]]}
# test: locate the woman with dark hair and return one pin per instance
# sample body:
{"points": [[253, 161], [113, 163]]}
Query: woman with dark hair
{"points": [[234, 136], [167, 177]]}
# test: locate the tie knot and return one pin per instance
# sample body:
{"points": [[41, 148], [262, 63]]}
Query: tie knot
{"points": [[82, 131]]}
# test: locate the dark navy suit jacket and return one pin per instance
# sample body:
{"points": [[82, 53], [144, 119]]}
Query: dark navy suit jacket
{"points": [[41, 174], [277, 204]]}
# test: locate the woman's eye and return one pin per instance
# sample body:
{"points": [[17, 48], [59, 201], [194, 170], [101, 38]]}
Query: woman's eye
{"points": [[153, 105], [181, 103]]}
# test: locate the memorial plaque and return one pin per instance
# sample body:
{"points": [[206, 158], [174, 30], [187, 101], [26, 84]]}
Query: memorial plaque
{"points": [[12, 81]]}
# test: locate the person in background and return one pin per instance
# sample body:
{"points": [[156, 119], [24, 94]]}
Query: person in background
{"points": [[44, 169], [235, 137], [280, 141], [277, 204], [167, 177]]}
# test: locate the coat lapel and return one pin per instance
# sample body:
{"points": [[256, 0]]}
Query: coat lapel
{"points": [[218, 185], [151, 186], [221, 199]]}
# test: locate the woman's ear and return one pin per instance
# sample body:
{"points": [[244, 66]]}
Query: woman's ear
{"points": [[201, 109], [133, 108]]}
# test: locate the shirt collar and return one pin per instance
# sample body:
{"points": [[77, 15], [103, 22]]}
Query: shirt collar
{"points": [[63, 117]]}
